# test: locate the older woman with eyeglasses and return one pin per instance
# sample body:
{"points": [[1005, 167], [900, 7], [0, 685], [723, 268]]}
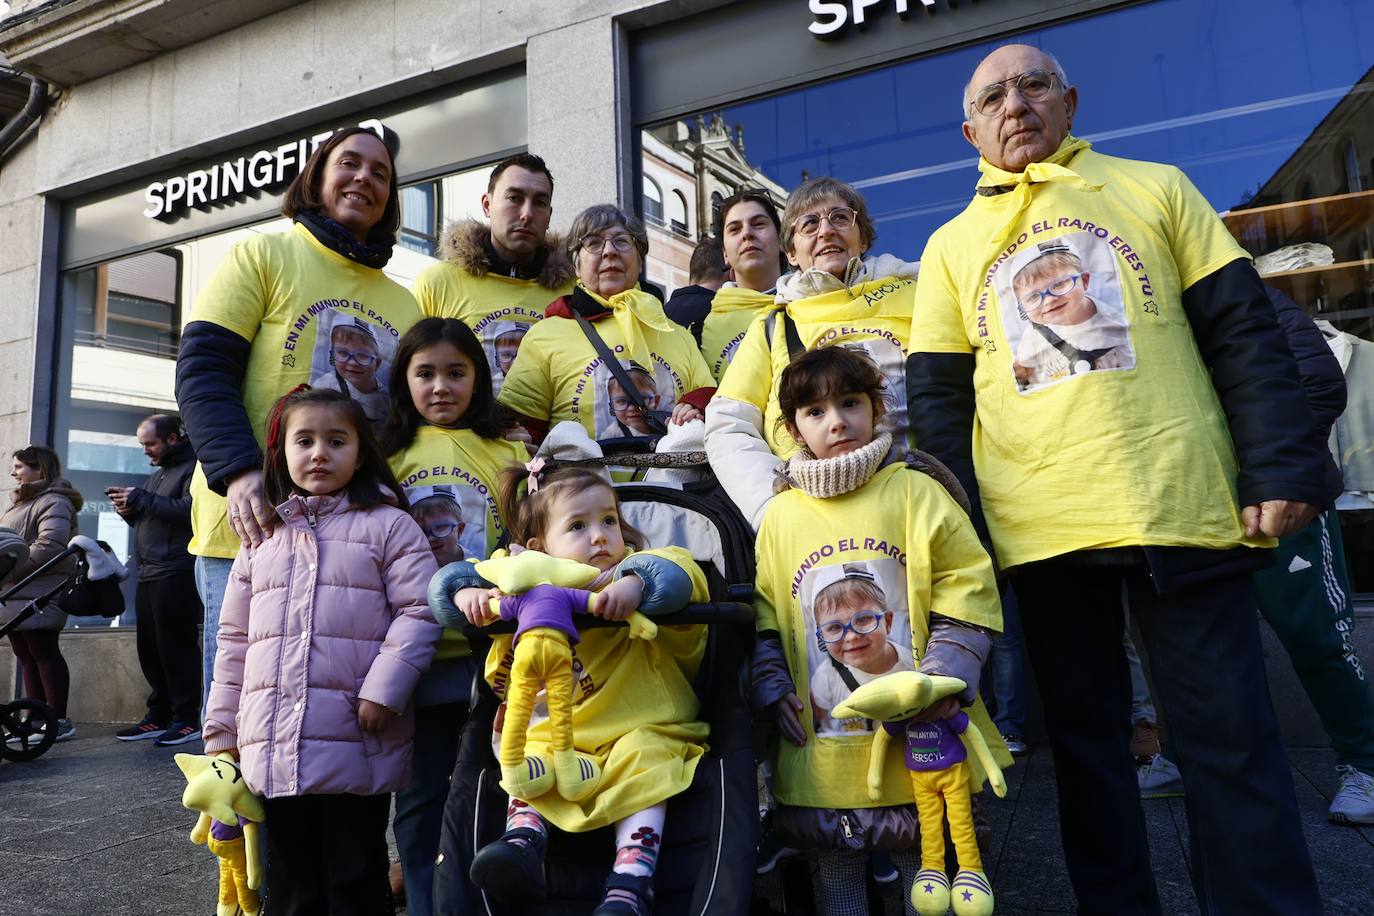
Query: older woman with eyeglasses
{"points": [[658, 375], [838, 293]]}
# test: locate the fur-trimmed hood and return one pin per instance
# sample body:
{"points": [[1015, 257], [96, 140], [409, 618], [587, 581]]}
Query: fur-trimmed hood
{"points": [[466, 244]]}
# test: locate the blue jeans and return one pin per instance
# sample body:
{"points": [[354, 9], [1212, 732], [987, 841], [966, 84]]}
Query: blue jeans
{"points": [[212, 576], [1005, 690], [1142, 706], [420, 805]]}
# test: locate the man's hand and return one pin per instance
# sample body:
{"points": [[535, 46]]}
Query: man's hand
{"points": [[787, 713], [475, 603], [249, 515], [373, 717], [620, 599], [1277, 517], [685, 413], [120, 497]]}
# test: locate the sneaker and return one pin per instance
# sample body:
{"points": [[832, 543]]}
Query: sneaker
{"points": [[770, 852], [178, 733], [1016, 745], [512, 868], [1144, 742], [1354, 801], [65, 730], [148, 728], [881, 868], [627, 895], [1159, 779]]}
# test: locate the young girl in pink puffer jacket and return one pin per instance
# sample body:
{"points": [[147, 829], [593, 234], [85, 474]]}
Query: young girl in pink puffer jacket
{"points": [[323, 635]]}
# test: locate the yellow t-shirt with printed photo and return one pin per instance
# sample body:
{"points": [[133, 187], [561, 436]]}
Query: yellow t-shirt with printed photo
{"points": [[559, 376], [875, 315], [1096, 423], [733, 310], [904, 533], [312, 316], [500, 310]]}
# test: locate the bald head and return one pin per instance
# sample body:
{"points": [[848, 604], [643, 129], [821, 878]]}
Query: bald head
{"points": [[1021, 131]]}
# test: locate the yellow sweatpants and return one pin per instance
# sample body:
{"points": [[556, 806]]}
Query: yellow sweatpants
{"points": [[941, 792]]}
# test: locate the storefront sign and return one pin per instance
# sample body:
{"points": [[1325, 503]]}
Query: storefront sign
{"points": [[833, 15], [263, 171]]}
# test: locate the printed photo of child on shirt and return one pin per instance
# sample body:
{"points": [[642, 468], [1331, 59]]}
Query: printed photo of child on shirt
{"points": [[1062, 310], [859, 634], [351, 358], [620, 416]]}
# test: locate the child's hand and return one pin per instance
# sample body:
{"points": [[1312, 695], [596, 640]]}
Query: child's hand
{"points": [[685, 413], [620, 599], [373, 717], [787, 712], [475, 603], [943, 708]]}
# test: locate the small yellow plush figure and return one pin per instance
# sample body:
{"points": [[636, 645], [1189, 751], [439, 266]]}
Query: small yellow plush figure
{"points": [[937, 758], [215, 787], [542, 593]]}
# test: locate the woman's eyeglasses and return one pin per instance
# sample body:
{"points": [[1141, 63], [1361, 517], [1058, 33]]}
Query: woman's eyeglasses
{"points": [[595, 244], [840, 219]]}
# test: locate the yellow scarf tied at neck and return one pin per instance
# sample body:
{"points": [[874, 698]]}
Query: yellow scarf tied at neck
{"points": [[1048, 170], [633, 311]]}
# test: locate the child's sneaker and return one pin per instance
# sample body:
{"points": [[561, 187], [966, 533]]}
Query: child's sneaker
{"points": [[627, 895], [1160, 779], [1354, 801], [178, 733], [930, 892], [148, 728], [512, 868]]}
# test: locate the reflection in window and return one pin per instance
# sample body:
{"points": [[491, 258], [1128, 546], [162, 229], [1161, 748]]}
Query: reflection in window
{"points": [[677, 213], [133, 306], [653, 202], [420, 218]]}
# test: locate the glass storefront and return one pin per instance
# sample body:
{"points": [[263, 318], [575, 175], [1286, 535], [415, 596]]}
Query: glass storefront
{"points": [[1267, 105]]}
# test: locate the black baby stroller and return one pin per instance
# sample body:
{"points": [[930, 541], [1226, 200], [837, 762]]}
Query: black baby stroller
{"points": [[27, 727], [707, 862]]}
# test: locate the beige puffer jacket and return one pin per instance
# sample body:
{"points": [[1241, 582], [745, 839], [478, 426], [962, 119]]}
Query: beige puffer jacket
{"points": [[44, 515]]}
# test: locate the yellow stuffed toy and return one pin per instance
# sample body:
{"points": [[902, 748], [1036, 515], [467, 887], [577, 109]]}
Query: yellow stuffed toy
{"points": [[542, 593], [937, 757], [215, 787]]}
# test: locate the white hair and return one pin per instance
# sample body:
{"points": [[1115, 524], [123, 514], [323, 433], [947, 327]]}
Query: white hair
{"points": [[1056, 67]]}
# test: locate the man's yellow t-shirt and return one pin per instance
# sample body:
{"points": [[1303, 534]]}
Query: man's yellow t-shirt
{"points": [[559, 376], [733, 310], [874, 315], [902, 533], [500, 310], [312, 316], [1115, 437]]}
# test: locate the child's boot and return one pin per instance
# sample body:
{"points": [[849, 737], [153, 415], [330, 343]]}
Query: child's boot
{"points": [[528, 779], [512, 868], [972, 894], [627, 895], [930, 892], [576, 775]]}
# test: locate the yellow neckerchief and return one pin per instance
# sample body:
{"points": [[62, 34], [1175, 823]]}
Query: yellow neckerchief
{"points": [[634, 310], [1047, 170], [738, 299]]}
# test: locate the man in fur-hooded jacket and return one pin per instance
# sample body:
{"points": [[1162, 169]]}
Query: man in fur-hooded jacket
{"points": [[497, 279]]}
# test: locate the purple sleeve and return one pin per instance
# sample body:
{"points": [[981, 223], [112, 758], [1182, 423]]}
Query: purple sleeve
{"points": [[895, 729]]}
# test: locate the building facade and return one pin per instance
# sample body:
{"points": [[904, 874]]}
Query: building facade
{"points": [[168, 128]]}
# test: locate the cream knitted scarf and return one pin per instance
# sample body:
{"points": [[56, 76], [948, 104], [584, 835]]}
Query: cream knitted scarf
{"points": [[827, 477]]}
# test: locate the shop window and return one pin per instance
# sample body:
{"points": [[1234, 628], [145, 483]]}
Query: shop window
{"points": [[420, 207], [1274, 132], [677, 213], [134, 306], [653, 202]]}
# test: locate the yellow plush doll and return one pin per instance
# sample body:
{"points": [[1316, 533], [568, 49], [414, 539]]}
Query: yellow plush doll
{"points": [[542, 593], [215, 787], [937, 758]]}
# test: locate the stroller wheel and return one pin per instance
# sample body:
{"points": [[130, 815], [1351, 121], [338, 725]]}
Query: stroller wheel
{"points": [[28, 728]]}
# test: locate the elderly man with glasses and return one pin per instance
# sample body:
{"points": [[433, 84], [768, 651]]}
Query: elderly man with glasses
{"points": [[1157, 478]]}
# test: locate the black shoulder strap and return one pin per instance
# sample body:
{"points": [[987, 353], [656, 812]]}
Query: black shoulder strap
{"points": [[795, 347], [849, 680], [655, 418], [1069, 351]]}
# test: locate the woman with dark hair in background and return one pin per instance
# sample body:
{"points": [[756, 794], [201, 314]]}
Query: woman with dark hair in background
{"points": [[44, 515], [265, 323]]}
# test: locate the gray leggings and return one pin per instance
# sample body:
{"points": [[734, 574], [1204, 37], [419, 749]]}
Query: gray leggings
{"points": [[844, 881]]}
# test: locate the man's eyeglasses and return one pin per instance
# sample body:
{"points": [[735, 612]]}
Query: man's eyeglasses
{"points": [[807, 225], [862, 623], [595, 244], [1061, 287], [1033, 85], [440, 529], [363, 358]]}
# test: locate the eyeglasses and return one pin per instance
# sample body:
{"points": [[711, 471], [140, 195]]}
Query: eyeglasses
{"points": [[363, 358], [862, 623], [840, 219], [1033, 85], [623, 403], [1061, 287], [441, 529], [595, 244]]}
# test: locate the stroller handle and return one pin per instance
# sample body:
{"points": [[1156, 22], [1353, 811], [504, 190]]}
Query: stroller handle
{"points": [[37, 604]]}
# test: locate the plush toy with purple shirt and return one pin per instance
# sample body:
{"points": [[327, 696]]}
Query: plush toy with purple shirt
{"points": [[228, 826], [937, 759], [542, 593]]}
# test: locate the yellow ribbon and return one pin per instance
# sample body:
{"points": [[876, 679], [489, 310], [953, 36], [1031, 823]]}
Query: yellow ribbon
{"points": [[634, 310], [1048, 170]]}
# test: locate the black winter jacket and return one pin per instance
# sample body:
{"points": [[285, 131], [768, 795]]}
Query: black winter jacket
{"points": [[211, 365], [161, 516], [1278, 446]]}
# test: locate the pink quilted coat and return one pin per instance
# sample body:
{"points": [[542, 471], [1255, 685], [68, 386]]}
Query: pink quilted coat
{"points": [[330, 609]]}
